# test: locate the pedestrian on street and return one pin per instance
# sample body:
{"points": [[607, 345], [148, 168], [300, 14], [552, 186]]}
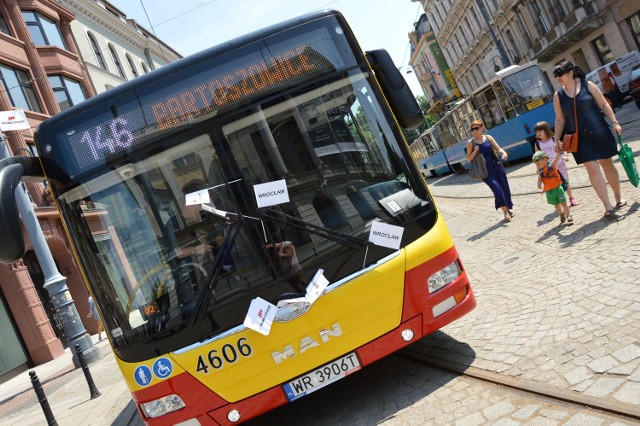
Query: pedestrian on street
{"points": [[550, 182], [596, 143], [496, 179], [93, 313], [546, 142]]}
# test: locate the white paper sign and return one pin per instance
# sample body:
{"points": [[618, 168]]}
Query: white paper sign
{"points": [[316, 286], [198, 197], [13, 120], [271, 193], [385, 235], [260, 316]]}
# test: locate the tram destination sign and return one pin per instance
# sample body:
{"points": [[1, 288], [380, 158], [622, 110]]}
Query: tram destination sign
{"points": [[194, 92]]}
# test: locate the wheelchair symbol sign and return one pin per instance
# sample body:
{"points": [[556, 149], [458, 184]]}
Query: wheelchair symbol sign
{"points": [[142, 375], [162, 368]]}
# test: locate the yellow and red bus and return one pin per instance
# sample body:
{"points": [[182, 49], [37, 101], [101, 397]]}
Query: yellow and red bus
{"points": [[270, 170]]}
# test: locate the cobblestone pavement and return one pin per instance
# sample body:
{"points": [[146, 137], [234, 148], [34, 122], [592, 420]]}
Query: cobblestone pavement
{"points": [[399, 392], [558, 305]]}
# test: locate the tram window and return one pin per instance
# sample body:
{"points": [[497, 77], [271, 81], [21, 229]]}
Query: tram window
{"points": [[527, 89], [505, 104], [459, 121], [489, 108]]}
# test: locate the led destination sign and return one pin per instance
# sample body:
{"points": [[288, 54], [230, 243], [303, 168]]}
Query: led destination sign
{"points": [[236, 86], [198, 92]]}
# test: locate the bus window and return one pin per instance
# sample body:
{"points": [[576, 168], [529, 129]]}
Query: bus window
{"points": [[527, 89], [490, 110]]}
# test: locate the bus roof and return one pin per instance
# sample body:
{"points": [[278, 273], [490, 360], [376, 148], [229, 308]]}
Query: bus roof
{"points": [[189, 61]]}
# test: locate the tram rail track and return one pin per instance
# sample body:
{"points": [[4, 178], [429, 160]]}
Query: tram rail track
{"points": [[617, 409]]}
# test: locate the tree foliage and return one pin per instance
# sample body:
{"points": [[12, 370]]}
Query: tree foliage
{"points": [[411, 134]]}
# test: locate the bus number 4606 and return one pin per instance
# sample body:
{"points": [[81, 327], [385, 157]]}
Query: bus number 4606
{"points": [[228, 353]]}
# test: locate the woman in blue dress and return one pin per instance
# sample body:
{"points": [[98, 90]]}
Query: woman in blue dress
{"points": [[596, 143], [496, 179]]}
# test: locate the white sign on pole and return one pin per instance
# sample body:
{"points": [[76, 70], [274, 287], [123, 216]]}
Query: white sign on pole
{"points": [[317, 285], [198, 197], [386, 235], [260, 316], [13, 120], [271, 193]]}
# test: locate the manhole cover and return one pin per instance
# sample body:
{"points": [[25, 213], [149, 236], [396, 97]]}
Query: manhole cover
{"points": [[511, 260]]}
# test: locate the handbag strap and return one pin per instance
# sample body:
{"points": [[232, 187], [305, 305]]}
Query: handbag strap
{"points": [[575, 112]]}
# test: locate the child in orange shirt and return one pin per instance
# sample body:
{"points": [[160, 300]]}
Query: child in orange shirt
{"points": [[550, 182]]}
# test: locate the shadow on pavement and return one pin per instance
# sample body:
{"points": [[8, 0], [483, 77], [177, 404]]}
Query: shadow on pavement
{"points": [[438, 347], [379, 391], [487, 231], [129, 416]]}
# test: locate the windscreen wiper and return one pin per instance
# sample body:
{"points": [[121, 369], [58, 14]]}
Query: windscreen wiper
{"points": [[330, 234], [208, 289]]}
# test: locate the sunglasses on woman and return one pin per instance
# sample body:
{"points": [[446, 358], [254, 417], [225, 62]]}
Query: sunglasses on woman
{"points": [[473, 129]]}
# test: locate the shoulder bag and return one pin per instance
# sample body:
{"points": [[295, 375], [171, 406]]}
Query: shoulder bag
{"points": [[570, 140], [478, 167]]}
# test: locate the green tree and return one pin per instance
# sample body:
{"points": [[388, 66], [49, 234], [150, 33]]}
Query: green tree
{"points": [[411, 134]]}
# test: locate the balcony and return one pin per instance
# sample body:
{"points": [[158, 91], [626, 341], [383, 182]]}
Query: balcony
{"points": [[576, 26]]}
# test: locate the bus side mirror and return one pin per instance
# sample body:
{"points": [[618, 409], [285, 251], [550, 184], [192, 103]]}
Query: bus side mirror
{"points": [[395, 88], [12, 247]]}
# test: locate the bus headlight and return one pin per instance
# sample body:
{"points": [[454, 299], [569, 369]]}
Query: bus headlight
{"points": [[162, 406], [444, 277]]}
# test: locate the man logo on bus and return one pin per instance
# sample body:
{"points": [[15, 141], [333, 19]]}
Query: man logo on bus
{"points": [[307, 343]]}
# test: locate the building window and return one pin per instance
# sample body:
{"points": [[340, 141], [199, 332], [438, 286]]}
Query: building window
{"points": [[469, 28], [634, 25], [557, 11], [132, 66], [43, 30], [3, 25], [97, 52], [67, 92], [17, 87], [513, 45], [116, 61], [523, 30], [477, 21], [539, 16], [601, 47], [144, 67]]}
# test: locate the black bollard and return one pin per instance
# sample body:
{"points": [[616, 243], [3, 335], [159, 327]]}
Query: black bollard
{"points": [[87, 374], [42, 398]]}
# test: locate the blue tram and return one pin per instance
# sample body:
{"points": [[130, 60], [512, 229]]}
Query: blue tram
{"points": [[510, 105]]}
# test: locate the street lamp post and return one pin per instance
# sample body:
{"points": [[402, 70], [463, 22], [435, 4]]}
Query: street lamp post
{"points": [[54, 282]]}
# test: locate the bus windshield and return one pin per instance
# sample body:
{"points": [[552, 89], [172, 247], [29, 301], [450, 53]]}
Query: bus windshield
{"points": [[169, 233]]}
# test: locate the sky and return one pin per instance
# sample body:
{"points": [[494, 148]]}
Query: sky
{"points": [[189, 26]]}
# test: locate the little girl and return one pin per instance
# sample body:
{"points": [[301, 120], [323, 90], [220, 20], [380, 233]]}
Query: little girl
{"points": [[546, 143]]}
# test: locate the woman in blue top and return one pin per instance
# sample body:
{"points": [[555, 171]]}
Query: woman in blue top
{"points": [[497, 177], [596, 143]]}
